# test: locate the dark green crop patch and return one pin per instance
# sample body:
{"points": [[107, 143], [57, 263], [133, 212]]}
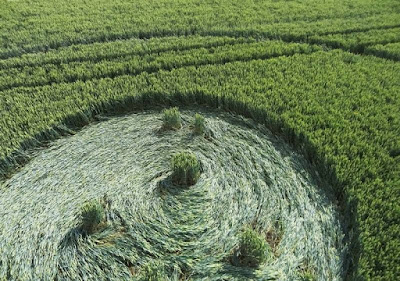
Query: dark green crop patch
{"points": [[172, 119], [199, 125], [92, 215], [185, 168], [253, 249]]}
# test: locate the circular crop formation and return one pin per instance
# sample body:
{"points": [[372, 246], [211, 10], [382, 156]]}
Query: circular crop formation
{"points": [[177, 195]]}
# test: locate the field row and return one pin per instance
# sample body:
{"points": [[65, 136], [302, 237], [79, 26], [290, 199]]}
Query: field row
{"points": [[83, 62], [357, 41], [391, 51], [148, 62], [118, 49], [18, 42]]}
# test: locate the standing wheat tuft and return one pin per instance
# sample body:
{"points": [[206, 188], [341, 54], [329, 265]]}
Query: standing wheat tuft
{"points": [[92, 215], [186, 168], [172, 119], [199, 124]]}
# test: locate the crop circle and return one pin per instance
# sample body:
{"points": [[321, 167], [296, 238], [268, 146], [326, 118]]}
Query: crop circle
{"points": [[249, 178]]}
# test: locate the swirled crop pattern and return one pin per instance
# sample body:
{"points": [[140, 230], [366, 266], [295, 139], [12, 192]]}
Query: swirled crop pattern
{"points": [[249, 177]]}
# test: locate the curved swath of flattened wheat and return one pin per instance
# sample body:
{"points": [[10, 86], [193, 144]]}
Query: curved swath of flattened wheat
{"points": [[248, 177]]}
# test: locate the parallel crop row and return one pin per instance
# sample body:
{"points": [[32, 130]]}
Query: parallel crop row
{"points": [[133, 65], [118, 49], [357, 41], [303, 30], [389, 51], [63, 25]]}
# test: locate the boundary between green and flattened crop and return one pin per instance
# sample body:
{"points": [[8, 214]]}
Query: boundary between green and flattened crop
{"points": [[69, 125], [354, 179], [151, 100]]}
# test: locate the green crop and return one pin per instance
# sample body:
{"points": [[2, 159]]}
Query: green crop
{"points": [[357, 41], [172, 118], [253, 249], [169, 56], [389, 51], [185, 168], [92, 215], [77, 23], [336, 141], [199, 124]]}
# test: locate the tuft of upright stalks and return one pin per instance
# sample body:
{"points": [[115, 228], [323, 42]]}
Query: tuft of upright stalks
{"points": [[199, 124], [186, 168], [92, 215], [172, 119], [253, 249]]}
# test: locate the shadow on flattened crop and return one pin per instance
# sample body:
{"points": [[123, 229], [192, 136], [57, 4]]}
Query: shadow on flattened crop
{"points": [[71, 238], [166, 187]]}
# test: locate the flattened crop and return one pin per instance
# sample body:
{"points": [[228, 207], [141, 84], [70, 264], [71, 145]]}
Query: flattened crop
{"points": [[249, 177]]}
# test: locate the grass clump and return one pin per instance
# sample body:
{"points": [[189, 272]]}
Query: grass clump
{"points": [[92, 214], [172, 119], [186, 168], [253, 249], [199, 124]]}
